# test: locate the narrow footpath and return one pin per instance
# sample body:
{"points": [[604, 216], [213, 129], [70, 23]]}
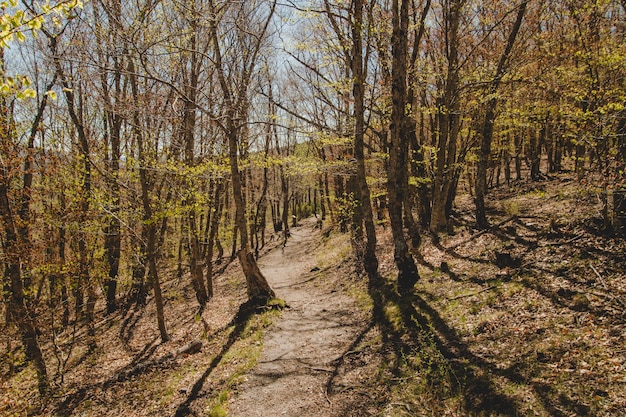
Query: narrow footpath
{"points": [[302, 346]]}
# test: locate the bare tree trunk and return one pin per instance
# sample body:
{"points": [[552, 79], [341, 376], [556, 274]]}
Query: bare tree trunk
{"points": [[416, 164], [218, 203], [65, 318], [517, 139], [113, 126], [448, 120], [151, 249], [17, 310], [284, 194], [188, 133], [535, 155], [148, 225], [13, 250], [490, 117], [320, 184], [398, 151], [84, 278], [259, 291], [364, 203]]}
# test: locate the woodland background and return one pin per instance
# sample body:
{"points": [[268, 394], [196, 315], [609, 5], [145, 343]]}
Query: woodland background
{"points": [[149, 139]]}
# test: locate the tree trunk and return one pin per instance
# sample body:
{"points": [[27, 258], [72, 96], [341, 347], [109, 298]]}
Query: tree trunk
{"points": [[188, 133], [84, 278], [113, 125], [447, 120], [259, 291], [148, 233], [151, 249], [363, 203], [398, 150], [65, 318], [195, 260], [16, 307], [490, 117], [320, 184], [535, 155], [284, 194], [518, 155], [218, 203]]}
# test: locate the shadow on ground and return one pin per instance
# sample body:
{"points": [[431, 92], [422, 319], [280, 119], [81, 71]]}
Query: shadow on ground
{"points": [[427, 357]]}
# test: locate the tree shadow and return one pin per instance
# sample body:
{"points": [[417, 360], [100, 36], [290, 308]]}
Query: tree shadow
{"points": [[127, 329], [135, 367], [479, 390], [465, 374], [339, 362], [445, 363], [572, 298], [73, 400], [244, 314]]}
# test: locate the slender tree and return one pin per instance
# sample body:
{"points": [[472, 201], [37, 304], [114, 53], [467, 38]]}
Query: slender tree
{"points": [[490, 116], [16, 244], [363, 202], [398, 146], [235, 100]]}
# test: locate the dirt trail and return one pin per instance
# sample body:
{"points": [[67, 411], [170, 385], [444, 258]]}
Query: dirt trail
{"points": [[300, 348]]}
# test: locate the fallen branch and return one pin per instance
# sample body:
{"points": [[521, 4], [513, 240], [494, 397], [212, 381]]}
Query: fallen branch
{"points": [[474, 293], [606, 287], [320, 369], [190, 348], [325, 390], [482, 232], [578, 236]]}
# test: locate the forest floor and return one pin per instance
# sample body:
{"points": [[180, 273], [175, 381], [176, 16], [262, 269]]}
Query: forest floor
{"points": [[527, 318]]}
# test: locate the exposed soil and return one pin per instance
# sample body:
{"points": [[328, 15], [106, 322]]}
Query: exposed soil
{"points": [[302, 348]]}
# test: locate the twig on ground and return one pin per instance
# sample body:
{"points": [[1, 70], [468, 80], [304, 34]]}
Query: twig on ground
{"points": [[482, 232], [319, 369], [474, 293], [606, 287], [325, 390]]}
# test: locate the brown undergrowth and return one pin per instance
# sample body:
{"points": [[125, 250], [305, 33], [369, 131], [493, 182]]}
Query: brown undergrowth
{"points": [[132, 373], [524, 319], [527, 318]]}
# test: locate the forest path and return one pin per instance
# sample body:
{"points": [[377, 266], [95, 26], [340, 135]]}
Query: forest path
{"points": [[302, 346]]}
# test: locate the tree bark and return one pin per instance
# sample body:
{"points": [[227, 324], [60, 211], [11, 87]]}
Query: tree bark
{"points": [[218, 203], [148, 233], [447, 120], [84, 278], [17, 309], [259, 291], [490, 117], [188, 133], [363, 203], [113, 120], [398, 150]]}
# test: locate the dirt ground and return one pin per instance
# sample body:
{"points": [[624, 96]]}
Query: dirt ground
{"points": [[527, 318], [304, 344]]}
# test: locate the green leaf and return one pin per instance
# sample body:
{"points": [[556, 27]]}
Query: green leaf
{"points": [[30, 93]]}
